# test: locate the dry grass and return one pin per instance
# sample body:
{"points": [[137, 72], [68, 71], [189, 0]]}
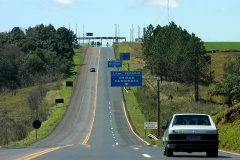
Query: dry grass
{"points": [[183, 99], [218, 61]]}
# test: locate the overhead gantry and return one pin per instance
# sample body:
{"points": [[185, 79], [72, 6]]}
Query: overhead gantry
{"points": [[102, 38]]}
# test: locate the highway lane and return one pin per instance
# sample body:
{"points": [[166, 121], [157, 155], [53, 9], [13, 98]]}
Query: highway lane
{"points": [[95, 126]]}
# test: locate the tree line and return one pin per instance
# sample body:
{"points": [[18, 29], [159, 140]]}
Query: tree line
{"points": [[172, 53], [176, 55], [38, 54], [35, 56], [230, 87]]}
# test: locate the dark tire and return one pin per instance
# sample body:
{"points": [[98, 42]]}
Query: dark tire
{"points": [[169, 152], [164, 151], [212, 153]]}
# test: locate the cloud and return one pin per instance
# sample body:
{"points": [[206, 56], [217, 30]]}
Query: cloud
{"points": [[51, 8], [57, 5], [161, 3], [68, 2]]}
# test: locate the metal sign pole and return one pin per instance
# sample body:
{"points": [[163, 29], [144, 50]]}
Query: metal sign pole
{"points": [[158, 108], [158, 99]]}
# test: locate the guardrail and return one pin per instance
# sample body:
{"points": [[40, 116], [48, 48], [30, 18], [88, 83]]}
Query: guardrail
{"points": [[152, 137]]}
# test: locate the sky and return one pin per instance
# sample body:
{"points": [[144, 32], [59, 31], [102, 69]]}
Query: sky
{"points": [[210, 20]]}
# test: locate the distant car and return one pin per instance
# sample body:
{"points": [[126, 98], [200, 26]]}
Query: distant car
{"points": [[109, 59], [99, 43], [190, 132], [92, 69]]}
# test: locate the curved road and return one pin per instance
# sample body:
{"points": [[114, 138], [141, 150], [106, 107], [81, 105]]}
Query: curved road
{"points": [[95, 125]]}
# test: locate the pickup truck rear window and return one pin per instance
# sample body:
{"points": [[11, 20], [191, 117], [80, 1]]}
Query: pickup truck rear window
{"points": [[191, 120]]}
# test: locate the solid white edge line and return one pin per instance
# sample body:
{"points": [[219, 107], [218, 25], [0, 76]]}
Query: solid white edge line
{"points": [[228, 152], [131, 126]]}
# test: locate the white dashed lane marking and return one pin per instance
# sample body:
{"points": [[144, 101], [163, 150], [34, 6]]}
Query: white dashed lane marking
{"points": [[111, 123], [146, 156]]}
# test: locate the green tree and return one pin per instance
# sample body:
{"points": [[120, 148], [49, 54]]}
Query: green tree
{"points": [[232, 66], [230, 89], [16, 34], [173, 53], [11, 59], [35, 65]]}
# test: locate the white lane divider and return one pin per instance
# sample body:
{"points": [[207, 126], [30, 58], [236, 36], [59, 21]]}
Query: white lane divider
{"points": [[111, 123], [146, 156]]}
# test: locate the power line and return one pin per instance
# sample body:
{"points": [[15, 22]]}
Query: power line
{"points": [[168, 11]]}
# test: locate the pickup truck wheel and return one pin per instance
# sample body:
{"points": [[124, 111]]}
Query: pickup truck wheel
{"points": [[164, 151], [169, 152], [212, 153]]}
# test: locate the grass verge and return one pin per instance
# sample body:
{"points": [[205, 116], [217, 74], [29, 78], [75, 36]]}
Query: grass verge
{"points": [[133, 108], [228, 124], [57, 111], [183, 99], [222, 45]]}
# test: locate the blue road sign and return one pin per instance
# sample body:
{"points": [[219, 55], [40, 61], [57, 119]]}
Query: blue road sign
{"points": [[113, 64], [124, 56], [126, 78]]}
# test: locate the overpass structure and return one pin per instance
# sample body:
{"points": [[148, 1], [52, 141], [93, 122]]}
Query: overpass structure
{"points": [[101, 38]]}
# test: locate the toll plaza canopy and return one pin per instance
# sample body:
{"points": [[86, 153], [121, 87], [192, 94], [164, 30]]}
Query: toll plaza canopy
{"points": [[116, 38]]}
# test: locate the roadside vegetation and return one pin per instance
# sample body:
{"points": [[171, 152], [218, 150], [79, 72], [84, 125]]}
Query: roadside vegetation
{"points": [[179, 96], [222, 46], [17, 114], [35, 66]]}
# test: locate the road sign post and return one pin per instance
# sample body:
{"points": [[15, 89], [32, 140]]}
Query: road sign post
{"points": [[126, 78], [150, 125], [114, 64], [124, 56], [36, 124], [69, 84], [158, 100]]}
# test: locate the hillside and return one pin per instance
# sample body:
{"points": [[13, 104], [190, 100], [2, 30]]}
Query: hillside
{"points": [[228, 124], [15, 113], [178, 98]]}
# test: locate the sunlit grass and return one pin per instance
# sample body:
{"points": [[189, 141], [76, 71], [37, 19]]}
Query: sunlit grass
{"points": [[222, 45], [57, 111], [183, 94]]}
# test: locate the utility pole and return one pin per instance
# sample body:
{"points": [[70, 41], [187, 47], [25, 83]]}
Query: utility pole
{"points": [[83, 34], [158, 99], [158, 107], [138, 32], [116, 33], [76, 29], [168, 11], [196, 77], [132, 33]]}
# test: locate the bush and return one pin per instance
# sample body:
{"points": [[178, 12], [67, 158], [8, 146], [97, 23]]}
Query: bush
{"points": [[39, 109]]}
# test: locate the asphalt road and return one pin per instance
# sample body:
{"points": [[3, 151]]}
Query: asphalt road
{"points": [[95, 126]]}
